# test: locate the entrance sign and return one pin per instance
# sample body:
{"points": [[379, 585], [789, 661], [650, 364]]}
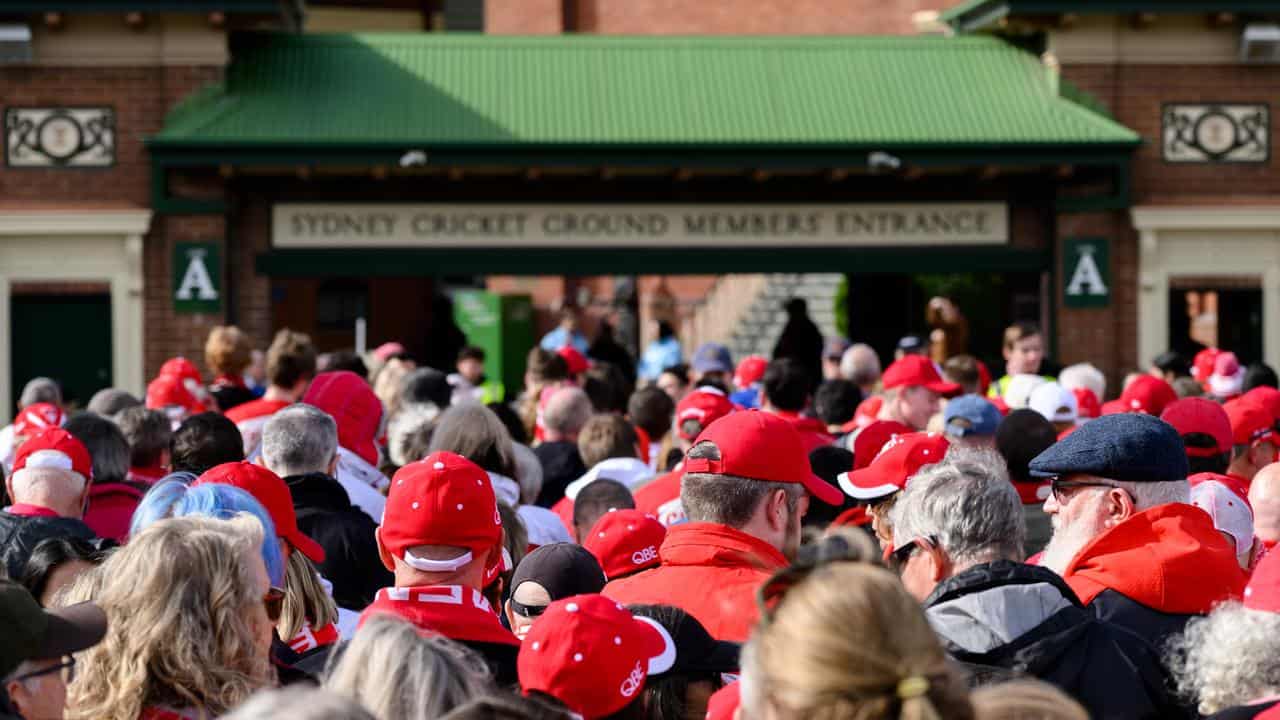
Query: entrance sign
{"points": [[1086, 273], [493, 225], [197, 278]]}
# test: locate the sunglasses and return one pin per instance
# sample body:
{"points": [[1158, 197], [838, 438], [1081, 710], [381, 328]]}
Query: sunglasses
{"points": [[900, 556], [69, 665], [1061, 489], [273, 603]]}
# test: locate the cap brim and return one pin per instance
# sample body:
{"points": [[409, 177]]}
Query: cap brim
{"points": [[945, 389], [861, 485], [306, 546], [660, 648], [822, 490], [72, 629]]}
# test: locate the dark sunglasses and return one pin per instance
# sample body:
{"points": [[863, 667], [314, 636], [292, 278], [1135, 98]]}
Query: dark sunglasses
{"points": [[69, 664], [899, 557], [273, 603], [1061, 489]]}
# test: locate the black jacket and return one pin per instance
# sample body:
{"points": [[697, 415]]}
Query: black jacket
{"points": [[561, 465], [19, 535], [1006, 617], [1158, 628], [351, 562]]}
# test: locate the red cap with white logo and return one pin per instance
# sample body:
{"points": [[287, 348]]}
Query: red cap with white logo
{"points": [[706, 405], [761, 446], [750, 371], [591, 654], [36, 417], [899, 459], [443, 499], [625, 541], [54, 448], [917, 371], [1148, 394], [173, 391]]}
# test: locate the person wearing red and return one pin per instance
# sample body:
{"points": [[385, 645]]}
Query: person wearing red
{"points": [[1125, 536], [1253, 435], [291, 363], [350, 401], [625, 542], [1226, 500], [1206, 432], [49, 488], [1147, 394], [786, 392], [228, 354], [747, 485], [697, 410], [148, 434], [441, 536], [879, 483], [40, 391], [913, 391]]}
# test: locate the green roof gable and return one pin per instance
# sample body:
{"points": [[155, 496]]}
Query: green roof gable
{"points": [[432, 91]]}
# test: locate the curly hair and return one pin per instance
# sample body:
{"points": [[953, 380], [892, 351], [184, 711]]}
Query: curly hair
{"points": [[1231, 657], [176, 598]]}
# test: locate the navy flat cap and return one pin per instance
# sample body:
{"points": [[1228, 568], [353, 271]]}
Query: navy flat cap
{"points": [[1131, 447]]}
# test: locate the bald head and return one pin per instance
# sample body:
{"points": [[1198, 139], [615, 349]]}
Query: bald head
{"points": [[567, 411], [62, 491], [1264, 496], [861, 366]]}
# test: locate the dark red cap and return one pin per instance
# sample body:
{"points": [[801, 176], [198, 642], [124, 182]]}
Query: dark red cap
{"points": [[38, 416], [443, 499], [1250, 423], [750, 370], [1148, 394], [267, 488], [54, 448], [868, 442], [574, 360], [917, 370], [761, 446], [171, 390], [1200, 415], [625, 541], [1087, 405], [351, 402], [593, 655], [898, 460], [706, 405]]}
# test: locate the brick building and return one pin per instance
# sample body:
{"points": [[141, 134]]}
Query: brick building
{"points": [[236, 132]]}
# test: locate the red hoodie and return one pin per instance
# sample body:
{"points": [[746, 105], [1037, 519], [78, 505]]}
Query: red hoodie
{"points": [[812, 430], [660, 498], [710, 571], [1169, 558]]}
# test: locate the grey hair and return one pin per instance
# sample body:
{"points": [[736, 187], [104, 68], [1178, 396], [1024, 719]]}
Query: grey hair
{"points": [[406, 423], [528, 473], [399, 674], [300, 702], [567, 411], [108, 402], [1147, 495], [860, 365], [299, 439], [1084, 375], [1231, 657], [967, 503], [40, 390], [727, 499]]}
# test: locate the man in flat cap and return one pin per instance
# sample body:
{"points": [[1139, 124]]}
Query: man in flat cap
{"points": [[1125, 537]]}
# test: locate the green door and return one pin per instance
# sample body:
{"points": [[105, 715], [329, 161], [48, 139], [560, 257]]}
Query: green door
{"points": [[65, 337]]}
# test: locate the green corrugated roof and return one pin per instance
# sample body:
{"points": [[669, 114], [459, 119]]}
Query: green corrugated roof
{"points": [[433, 90]]}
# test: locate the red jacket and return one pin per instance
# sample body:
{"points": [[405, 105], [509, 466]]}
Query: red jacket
{"points": [[711, 572], [661, 498], [812, 430], [1169, 558], [111, 507]]}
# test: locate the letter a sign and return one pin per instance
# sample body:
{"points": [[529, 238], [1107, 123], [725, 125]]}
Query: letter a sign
{"points": [[1086, 273], [197, 278]]}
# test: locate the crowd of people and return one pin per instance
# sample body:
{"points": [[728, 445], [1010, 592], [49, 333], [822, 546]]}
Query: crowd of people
{"points": [[324, 536]]}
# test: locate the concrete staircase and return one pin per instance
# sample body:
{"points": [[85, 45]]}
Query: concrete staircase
{"points": [[760, 325]]}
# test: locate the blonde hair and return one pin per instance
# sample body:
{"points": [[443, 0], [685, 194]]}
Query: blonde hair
{"points": [[85, 588], [176, 599], [1025, 700], [227, 350], [400, 674], [848, 643], [305, 598]]}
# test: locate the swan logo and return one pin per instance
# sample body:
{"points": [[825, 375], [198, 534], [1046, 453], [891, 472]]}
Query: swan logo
{"points": [[641, 557], [634, 682]]}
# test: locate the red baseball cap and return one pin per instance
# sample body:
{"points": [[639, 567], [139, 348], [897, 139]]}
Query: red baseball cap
{"points": [[1114, 407], [443, 499], [1087, 405], [761, 446], [625, 541], [1250, 423], [750, 370], [54, 448], [867, 411], [267, 488], [352, 404], [38, 416], [172, 390], [868, 442], [591, 654], [1148, 394], [180, 367], [1265, 397], [917, 370], [1235, 484], [898, 460], [723, 704], [1200, 415], [574, 360], [706, 405], [1263, 591], [1203, 363]]}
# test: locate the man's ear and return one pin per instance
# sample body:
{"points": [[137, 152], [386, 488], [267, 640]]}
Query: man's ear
{"points": [[333, 465], [941, 563], [387, 561], [1120, 505], [778, 511]]}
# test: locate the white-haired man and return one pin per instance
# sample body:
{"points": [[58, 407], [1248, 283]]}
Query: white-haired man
{"points": [[49, 489]]}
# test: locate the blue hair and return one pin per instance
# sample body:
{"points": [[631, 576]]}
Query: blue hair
{"points": [[172, 497]]}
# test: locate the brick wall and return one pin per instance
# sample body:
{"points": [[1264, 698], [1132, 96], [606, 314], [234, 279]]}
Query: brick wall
{"points": [[785, 17]]}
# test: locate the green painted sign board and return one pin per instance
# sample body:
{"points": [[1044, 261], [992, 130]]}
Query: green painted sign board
{"points": [[1086, 273], [503, 326], [197, 277]]}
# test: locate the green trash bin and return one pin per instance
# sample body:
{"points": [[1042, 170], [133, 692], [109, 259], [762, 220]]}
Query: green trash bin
{"points": [[502, 325]]}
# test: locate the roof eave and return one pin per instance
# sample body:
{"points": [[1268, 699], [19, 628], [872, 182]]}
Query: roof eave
{"points": [[978, 14]]}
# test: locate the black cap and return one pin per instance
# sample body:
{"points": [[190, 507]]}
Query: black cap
{"points": [[33, 633], [696, 650], [1130, 447], [426, 385], [911, 344], [1022, 436], [562, 569]]}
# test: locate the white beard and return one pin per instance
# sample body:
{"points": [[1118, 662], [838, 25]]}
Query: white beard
{"points": [[1064, 545]]}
